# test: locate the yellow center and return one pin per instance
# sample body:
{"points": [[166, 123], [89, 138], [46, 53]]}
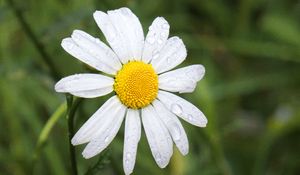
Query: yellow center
{"points": [[136, 84]]}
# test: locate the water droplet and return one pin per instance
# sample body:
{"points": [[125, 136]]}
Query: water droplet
{"points": [[157, 157], [173, 41], [106, 139], [191, 74], [158, 160], [169, 60], [70, 46], [151, 28], [125, 11], [160, 41], [176, 108], [127, 138], [150, 40], [91, 51], [126, 161], [128, 155], [163, 34], [190, 117], [76, 77], [97, 40], [175, 130], [165, 26]]}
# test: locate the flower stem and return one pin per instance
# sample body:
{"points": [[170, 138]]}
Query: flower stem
{"points": [[71, 109], [44, 134], [34, 39]]}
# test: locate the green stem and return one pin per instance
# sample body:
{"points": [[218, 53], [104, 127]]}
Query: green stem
{"points": [[44, 134], [72, 106], [50, 123], [34, 39]]}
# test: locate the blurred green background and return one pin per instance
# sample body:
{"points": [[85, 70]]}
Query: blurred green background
{"points": [[250, 93]]}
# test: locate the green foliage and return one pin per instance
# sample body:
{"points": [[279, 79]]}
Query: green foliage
{"points": [[250, 93]]}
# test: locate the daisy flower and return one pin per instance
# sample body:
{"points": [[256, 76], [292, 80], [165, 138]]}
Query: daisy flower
{"points": [[137, 71]]}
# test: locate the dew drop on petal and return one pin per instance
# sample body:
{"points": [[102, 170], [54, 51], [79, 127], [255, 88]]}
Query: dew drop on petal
{"points": [[165, 26], [163, 34], [157, 157], [92, 51], [127, 138], [70, 46], [175, 131], [151, 28], [125, 11], [150, 40], [176, 108], [190, 117], [160, 41], [191, 73], [106, 139], [158, 160], [97, 40], [128, 155], [169, 60]]}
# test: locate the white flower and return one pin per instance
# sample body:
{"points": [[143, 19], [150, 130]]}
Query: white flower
{"points": [[140, 76]]}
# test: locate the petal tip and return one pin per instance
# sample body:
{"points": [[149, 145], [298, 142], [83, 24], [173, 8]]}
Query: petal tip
{"points": [[184, 152], [97, 14], [127, 171], [58, 87], [203, 124], [67, 44], [87, 155], [74, 141]]}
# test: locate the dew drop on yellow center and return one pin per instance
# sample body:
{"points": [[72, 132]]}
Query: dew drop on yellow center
{"points": [[136, 84]]}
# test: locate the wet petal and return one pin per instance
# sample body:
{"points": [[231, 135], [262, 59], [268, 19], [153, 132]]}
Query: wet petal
{"points": [[73, 49], [181, 80], [131, 139], [156, 38], [182, 108], [170, 56], [123, 31], [96, 48], [99, 121], [174, 126], [106, 132], [85, 85], [158, 136]]}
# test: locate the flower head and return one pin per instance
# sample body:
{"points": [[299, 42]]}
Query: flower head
{"points": [[139, 73]]}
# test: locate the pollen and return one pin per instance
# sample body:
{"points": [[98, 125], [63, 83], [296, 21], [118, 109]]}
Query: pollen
{"points": [[136, 84]]}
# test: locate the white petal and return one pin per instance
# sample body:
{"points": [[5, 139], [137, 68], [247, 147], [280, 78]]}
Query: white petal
{"points": [[171, 55], [156, 38], [72, 48], [182, 108], [106, 132], [158, 137], [182, 80], [96, 48], [123, 31], [131, 139], [86, 85], [174, 126], [99, 121]]}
